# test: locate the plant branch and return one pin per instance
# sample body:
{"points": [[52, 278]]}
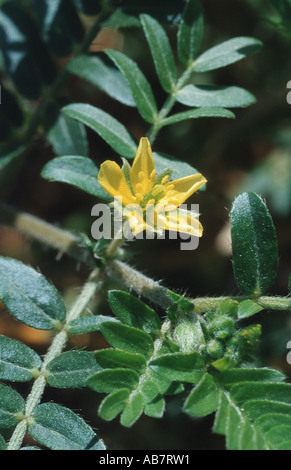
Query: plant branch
{"points": [[57, 346], [168, 105], [130, 278]]}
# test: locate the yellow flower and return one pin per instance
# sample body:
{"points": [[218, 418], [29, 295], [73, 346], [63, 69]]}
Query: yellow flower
{"points": [[150, 202]]}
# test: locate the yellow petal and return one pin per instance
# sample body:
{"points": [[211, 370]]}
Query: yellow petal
{"points": [[180, 221], [143, 169], [112, 179], [178, 191]]}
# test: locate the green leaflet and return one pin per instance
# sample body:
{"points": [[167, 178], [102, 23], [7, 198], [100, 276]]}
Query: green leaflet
{"points": [[254, 244], [196, 114], [128, 338], [59, 428], [17, 361], [68, 136], [216, 96], [88, 324], [107, 79], [71, 369], [11, 404], [80, 172], [140, 87], [190, 32], [254, 409], [134, 312], [156, 408], [28, 295], [226, 53], [185, 367], [161, 52], [110, 380], [203, 399], [132, 410], [247, 308], [115, 358], [112, 131], [113, 404]]}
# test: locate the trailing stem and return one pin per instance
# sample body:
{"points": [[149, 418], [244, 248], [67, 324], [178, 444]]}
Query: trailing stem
{"points": [[58, 344]]}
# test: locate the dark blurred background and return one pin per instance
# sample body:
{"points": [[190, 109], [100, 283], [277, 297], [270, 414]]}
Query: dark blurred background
{"points": [[251, 153]]}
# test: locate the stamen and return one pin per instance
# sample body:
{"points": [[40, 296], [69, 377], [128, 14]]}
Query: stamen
{"points": [[165, 179], [153, 175], [170, 187], [158, 191], [151, 201]]}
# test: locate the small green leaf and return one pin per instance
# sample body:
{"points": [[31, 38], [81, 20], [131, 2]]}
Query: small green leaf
{"points": [[71, 369], [114, 358], [226, 53], [112, 131], [128, 338], [11, 405], [190, 32], [197, 114], [184, 367], [58, 428], [107, 79], [254, 244], [156, 408], [80, 172], [248, 308], [132, 410], [203, 399], [28, 295], [113, 404], [245, 391], [228, 307], [88, 324], [134, 312], [259, 407], [222, 364], [161, 52], [149, 390], [224, 96], [17, 361], [140, 87], [234, 376], [68, 137], [110, 380]]}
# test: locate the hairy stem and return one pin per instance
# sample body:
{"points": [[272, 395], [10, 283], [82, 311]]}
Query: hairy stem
{"points": [[128, 277], [57, 346]]}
